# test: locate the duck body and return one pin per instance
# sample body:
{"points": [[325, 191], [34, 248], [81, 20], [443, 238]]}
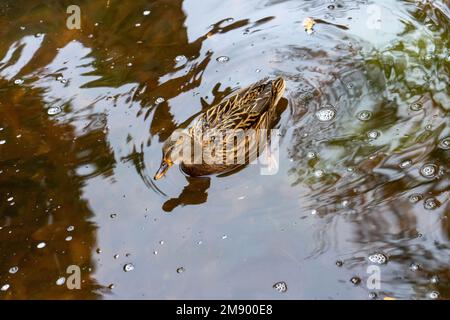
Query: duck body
{"points": [[249, 110]]}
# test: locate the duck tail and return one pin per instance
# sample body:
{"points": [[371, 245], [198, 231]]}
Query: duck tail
{"points": [[278, 86]]}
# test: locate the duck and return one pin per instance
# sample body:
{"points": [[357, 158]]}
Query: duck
{"points": [[249, 109]]}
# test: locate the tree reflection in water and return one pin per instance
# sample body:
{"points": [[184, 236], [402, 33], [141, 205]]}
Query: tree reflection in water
{"points": [[107, 79]]}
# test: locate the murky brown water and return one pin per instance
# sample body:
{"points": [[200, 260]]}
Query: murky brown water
{"points": [[84, 113]]}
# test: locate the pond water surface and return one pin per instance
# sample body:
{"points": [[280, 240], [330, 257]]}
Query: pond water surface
{"points": [[84, 114]]}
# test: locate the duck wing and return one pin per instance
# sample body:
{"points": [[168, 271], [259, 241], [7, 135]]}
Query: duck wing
{"points": [[242, 110]]}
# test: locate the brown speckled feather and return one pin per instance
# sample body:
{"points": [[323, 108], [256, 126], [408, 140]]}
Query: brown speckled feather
{"points": [[243, 110], [249, 108]]}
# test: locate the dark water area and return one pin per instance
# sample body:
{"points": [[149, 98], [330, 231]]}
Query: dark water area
{"points": [[84, 114]]}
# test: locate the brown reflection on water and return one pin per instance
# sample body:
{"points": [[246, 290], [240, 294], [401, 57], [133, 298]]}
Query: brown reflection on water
{"points": [[127, 80], [41, 197]]}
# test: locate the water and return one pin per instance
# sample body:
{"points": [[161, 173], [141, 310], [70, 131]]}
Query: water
{"points": [[126, 81]]}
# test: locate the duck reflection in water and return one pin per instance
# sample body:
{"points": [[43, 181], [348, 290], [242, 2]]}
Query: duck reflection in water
{"points": [[193, 194]]}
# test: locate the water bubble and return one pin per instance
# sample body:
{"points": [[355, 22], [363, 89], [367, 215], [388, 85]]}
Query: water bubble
{"points": [[129, 64], [61, 79], [258, 70], [414, 267], [10, 199], [364, 115], [224, 237], [223, 59], [155, 252], [372, 295], [60, 281], [70, 228], [159, 100], [414, 198], [445, 143], [41, 245], [345, 203], [111, 286], [5, 287], [2, 142], [18, 81], [229, 20], [128, 267], [69, 238], [180, 270], [53, 111], [416, 106], [434, 280], [326, 114], [429, 170], [431, 204], [373, 134], [406, 164], [113, 215], [13, 270], [339, 263], [180, 58], [434, 295], [378, 258], [137, 25], [146, 12], [355, 280], [98, 250], [319, 173], [311, 155], [116, 256], [161, 242], [280, 287], [314, 212]]}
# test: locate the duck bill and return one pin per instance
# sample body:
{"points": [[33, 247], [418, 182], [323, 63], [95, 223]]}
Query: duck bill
{"points": [[162, 170]]}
